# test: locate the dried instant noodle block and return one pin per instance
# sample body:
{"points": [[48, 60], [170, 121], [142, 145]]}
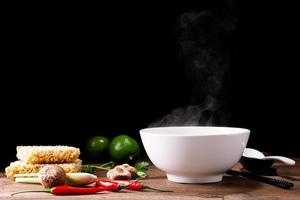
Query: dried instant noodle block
{"points": [[19, 167], [47, 154]]}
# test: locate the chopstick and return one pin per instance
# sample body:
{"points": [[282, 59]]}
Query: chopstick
{"points": [[275, 182]]}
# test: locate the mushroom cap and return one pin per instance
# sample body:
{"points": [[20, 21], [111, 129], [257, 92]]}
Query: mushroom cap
{"points": [[51, 176]]}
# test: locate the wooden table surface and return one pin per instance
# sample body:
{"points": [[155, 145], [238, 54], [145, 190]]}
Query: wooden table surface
{"points": [[231, 188]]}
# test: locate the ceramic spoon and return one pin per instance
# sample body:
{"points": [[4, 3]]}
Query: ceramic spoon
{"points": [[253, 153]]}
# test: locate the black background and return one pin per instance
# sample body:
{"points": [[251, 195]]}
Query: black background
{"points": [[71, 72]]}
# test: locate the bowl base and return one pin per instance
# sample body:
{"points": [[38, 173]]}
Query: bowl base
{"points": [[204, 179]]}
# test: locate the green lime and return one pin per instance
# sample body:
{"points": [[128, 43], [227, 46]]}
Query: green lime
{"points": [[96, 146], [124, 148]]}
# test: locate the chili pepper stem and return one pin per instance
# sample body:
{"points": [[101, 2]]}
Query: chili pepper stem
{"points": [[120, 187], [151, 188], [46, 191]]}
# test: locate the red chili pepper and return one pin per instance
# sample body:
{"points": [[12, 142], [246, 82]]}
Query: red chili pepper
{"points": [[134, 185], [67, 190], [138, 186], [109, 185], [124, 183]]}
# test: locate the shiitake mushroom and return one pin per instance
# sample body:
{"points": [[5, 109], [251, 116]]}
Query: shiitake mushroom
{"points": [[51, 176]]}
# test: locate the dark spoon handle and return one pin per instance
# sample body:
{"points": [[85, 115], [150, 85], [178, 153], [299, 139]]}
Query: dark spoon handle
{"points": [[276, 182]]}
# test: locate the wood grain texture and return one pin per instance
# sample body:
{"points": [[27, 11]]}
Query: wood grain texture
{"points": [[231, 188]]}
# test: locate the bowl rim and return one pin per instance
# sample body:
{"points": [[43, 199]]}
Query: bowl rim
{"points": [[238, 131]]}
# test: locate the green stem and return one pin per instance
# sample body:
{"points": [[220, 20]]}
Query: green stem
{"points": [[99, 167], [47, 191], [104, 166], [151, 188], [110, 163], [28, 180]]}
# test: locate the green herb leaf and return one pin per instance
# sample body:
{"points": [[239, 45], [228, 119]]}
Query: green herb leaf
{"points": [[141, 174], [88, 169], [141, 168]]}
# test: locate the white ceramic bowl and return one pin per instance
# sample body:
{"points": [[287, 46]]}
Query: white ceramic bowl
{"points": [[194, 154]]}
